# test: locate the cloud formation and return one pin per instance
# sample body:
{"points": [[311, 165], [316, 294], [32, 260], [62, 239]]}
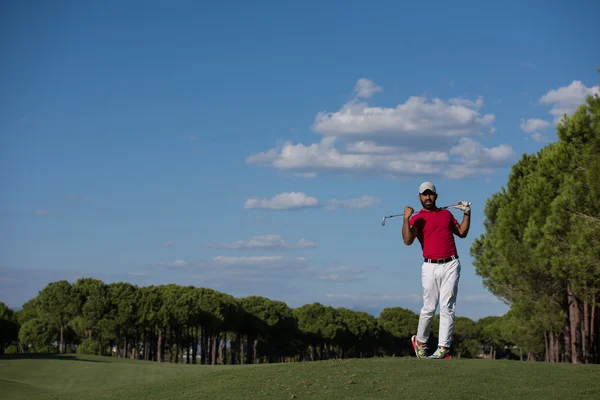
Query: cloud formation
{"points": [[299, 200], [413, 139], [343, 274], [537, 128], [566, 99], [361, 202], [366, 88], [283, 201], [263, 242]]}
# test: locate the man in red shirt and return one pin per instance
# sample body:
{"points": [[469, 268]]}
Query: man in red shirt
{"points": [[440, 272]]}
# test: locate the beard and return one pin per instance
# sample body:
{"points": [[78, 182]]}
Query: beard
{"points": [[428, 205]]}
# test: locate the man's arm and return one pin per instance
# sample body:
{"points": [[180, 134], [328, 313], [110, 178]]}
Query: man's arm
{"points": [[408, 234], [461, 230]]}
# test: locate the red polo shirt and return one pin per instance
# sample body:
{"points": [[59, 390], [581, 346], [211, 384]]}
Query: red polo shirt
{"points": [[435, 233]]}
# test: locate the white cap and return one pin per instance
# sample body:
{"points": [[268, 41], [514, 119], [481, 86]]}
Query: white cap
{"points": [[426, 186]]}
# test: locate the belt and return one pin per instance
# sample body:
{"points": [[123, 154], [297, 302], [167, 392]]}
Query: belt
{"points": [[441, 260]]}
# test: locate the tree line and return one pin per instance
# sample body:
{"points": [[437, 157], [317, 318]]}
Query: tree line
{"points": [[541, 248], [187, 324]]}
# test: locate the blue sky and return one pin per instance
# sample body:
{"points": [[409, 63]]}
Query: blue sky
{"points": [[254, 148]]}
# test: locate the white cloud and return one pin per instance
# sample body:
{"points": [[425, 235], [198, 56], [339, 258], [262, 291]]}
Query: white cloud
{"points": [[566, 99], [534, 124], [361, 202], [306, 174], [474, 158], [366, 88], [323, 157], [169, 243], [305, 244], [408, 141], [457, 101], [537, 128], [245, 260], [41, 212], [283, 201], [411, 121], [193, 138], [369, 147], [343, 274], [264, 242], [174, 264]]}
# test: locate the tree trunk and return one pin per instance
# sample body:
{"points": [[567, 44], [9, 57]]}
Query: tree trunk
{"points": [[159, 346], [171, 345], [242, 353], [566, 333], [187, 345], [234, 349], [574, 319], [134, 345], [202, 346], [61, 347], [222, 349], [145, 345], [213, 360], [586, 333], [255, 350], [546, 357], [557, 347], [593, 344], [550, 349], [521, 353], [194, 344]]}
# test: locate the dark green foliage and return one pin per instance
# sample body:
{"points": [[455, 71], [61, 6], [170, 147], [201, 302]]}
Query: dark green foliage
{"points": [[541, 248], [9, 327]]}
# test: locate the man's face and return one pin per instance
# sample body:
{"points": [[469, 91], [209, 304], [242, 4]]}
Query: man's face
{"points": [[427, 199]]}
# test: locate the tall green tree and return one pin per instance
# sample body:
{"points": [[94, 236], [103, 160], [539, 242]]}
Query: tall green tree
{"points": [[540, 247], [9, 327], [57, 306]]}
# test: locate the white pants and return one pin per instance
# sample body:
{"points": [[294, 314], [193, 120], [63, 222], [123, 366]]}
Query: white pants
{"points": [[440, 283]]}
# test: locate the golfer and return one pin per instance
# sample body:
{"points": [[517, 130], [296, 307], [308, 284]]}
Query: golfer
{"points": [[440, 271]]}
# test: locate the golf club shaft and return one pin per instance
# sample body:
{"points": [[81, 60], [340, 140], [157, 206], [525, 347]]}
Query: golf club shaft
{"points": [[398, 215]]}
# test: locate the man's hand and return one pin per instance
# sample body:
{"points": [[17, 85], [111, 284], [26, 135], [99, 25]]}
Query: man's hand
{"points": [[408, 212], [464, 206], [461, 230]]}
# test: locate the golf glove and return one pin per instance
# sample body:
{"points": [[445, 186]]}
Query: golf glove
{"points": [[465, 206]]}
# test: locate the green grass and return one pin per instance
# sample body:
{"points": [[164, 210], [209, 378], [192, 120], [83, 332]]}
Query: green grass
{"points": [[89, 377]]}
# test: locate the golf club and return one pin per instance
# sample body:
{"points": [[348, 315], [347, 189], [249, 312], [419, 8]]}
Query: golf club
{"points": [[389, 216], [442, 208]]}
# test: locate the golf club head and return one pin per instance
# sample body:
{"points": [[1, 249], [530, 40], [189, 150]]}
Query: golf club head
{"points": [[383, 222]]}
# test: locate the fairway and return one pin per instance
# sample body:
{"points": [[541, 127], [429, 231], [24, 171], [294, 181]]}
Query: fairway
{"points": [[90, 377]]}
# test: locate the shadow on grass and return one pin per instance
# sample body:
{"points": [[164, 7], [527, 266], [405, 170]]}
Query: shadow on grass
{"points": [[46, 356]]}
